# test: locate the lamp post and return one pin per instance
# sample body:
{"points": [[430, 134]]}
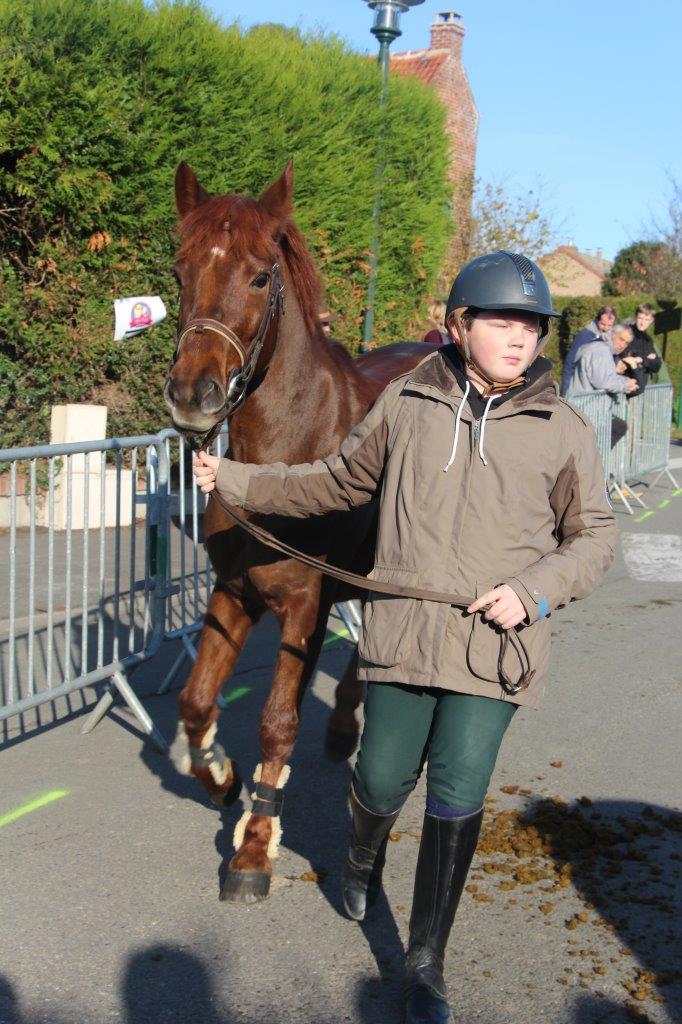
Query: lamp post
{"points": [[386, 28]]}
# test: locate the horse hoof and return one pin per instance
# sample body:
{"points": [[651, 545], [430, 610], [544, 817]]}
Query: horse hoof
{"points": [[339, 746], [245, 887]]}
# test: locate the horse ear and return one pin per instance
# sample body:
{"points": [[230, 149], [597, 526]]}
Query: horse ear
{"points": [[278, 198], [188, 192]]}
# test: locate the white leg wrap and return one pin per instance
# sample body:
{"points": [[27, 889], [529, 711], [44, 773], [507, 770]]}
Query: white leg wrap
{"points": [[208, 754], [276, 826]]}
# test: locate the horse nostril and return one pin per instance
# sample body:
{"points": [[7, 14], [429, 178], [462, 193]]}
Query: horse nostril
{"points": [[210, 395], [170, 391]]}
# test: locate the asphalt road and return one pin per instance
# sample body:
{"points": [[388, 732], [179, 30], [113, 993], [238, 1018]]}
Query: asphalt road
{"points": [[109, 888]]}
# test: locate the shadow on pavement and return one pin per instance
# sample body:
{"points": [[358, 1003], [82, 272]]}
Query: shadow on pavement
{"points": [[623, 858], [315, 820]]}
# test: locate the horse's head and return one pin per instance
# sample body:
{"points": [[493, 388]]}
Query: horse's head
{"points": [[231, 296]]}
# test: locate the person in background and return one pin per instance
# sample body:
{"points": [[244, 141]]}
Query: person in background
{"points": [[600, 327], [642, 347], [626, 364], [437, 334], [326, 317], [594, 370]]}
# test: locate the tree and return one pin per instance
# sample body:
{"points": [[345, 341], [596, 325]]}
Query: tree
{"points": [[628, 273], [503, 220], [653, 264]]}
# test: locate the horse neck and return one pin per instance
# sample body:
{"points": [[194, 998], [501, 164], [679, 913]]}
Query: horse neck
{"points": [[307, 401]]}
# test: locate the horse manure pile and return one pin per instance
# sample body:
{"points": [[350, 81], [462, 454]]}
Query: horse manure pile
{"points": [[576, 868]]}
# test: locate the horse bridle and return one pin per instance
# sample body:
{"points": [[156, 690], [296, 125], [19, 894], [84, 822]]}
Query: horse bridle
{"points": [[239, 379]]}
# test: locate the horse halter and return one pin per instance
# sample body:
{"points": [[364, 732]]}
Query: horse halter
{"points": [[238, 380]]}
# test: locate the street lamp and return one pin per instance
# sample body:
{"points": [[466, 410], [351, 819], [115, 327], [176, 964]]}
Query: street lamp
{"points": [[386, 28]]}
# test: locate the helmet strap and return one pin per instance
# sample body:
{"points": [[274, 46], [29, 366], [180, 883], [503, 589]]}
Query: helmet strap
{"points": [[490, 386]]}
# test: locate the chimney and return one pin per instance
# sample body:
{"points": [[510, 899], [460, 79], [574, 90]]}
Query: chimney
{"points": [[447, 33]]}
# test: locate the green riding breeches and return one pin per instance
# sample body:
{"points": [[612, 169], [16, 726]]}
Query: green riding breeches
{"points": [[458, 734]]}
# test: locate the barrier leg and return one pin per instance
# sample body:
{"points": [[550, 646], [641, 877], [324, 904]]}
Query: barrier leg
{"points": [[356, 610], [667, 473], [615, 486], [349, 618], [119, 681], [135, 705], [99, 711], [188, 651]]}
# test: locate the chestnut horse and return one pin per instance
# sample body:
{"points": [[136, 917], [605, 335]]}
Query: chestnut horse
{"points": [[250, 347]]}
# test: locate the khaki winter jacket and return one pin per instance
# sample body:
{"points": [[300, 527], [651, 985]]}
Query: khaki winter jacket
{"points": [[522, 501]]}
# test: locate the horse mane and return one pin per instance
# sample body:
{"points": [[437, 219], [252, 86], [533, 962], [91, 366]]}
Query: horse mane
{"points": [[241, 225]]}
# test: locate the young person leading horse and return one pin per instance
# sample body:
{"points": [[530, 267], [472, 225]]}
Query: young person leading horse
{"points": [[492, 485]]}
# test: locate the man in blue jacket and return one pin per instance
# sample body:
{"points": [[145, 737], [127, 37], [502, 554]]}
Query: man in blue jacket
{"points": [[600, 327]]}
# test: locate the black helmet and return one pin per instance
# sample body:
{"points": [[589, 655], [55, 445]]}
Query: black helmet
{"points": [[502, 280]]}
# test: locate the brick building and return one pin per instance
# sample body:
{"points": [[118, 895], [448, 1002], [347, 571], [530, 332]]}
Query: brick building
{"points": [[441, 66], [570, 272]]}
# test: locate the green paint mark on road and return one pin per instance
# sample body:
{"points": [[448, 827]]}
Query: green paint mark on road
{"points": [[677, 493], [664, 503], [644, 515], [241, 691], [33, 805], [333, 637]]}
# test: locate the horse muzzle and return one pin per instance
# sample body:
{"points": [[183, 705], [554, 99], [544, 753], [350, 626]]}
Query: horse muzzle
{"points": [[197, 405]]}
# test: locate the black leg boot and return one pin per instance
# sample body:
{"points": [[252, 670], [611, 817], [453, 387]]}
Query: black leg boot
{"points": [[447, 847], [361, 877]]}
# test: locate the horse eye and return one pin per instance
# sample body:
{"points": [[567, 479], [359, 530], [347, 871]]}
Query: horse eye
{"points": [[260, 281]]}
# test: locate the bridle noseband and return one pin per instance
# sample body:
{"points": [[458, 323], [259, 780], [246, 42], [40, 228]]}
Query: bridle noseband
{"points": [[239, 380]]}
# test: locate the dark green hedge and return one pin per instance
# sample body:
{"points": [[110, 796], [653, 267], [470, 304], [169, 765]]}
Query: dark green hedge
{"points": [[101, 99]]}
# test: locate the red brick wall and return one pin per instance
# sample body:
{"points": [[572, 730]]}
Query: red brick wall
{"points": [[447, 74]]}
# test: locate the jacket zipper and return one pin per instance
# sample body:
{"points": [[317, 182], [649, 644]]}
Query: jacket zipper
{"points": [[475, 435]]}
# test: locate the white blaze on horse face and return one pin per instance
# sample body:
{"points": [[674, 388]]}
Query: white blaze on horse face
{"points": [[218, 252]]}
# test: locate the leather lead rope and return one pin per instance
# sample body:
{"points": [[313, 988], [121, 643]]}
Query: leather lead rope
{"points": [[508, 637]]}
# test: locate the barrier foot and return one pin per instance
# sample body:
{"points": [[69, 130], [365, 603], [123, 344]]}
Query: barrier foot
{"points": [[188, 651], [135, 705], [665, 472], [99, 711], [616, 487], [119, 681]]}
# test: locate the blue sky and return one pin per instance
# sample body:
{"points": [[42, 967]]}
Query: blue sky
{"points": [[584, 98]]}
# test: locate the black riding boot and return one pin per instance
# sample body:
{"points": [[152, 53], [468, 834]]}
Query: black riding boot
{"points": [[445, 853], [361, 877]]}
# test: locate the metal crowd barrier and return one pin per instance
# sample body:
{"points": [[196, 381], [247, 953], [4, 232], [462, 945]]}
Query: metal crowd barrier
{"points": [[105, 562], [89, 600], [645, 446], [86, 599]]}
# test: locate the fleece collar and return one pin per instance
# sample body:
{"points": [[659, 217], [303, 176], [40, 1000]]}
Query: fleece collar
{"points": [[442, 375]]}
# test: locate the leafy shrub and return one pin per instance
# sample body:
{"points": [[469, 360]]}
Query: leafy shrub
{"points": [[101, 99]]}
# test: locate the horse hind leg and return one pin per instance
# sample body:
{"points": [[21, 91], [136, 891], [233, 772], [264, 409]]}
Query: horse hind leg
{"points": [[225, 629], [258, 832], [343, 728]]}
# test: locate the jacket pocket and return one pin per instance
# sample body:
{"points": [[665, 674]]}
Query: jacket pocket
{"points": [[386, 636]]}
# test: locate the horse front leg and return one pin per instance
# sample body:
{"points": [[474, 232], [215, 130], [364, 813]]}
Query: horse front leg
{"points": [[258, 833], [224, 632]]}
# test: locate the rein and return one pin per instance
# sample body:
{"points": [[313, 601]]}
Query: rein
{"points": [[508, 637]]}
